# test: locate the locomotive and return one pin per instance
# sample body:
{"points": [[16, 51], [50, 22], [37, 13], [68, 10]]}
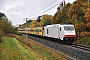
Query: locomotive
{"points": [[60, 32]]}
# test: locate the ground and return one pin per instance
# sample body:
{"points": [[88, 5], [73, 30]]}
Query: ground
{"points": [[16, 47]]}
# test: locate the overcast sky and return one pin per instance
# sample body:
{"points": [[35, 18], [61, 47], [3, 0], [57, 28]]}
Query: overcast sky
{"points": [[17, 10]]}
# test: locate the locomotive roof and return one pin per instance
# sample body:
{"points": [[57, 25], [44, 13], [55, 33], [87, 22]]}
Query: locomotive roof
{"points": [[58, 25]]}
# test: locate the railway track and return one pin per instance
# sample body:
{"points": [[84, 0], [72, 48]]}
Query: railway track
{"points": [[83, 47], [78, 46]]}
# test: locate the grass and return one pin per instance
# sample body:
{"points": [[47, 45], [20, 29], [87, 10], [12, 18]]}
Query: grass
{"points": [[49, 54], [13, 49]]}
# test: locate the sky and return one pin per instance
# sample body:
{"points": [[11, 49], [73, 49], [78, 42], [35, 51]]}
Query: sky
{"points": [[17, 10]]}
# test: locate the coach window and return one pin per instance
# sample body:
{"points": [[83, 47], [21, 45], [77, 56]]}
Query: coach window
{"points": [[47, 31], [60, 28]]}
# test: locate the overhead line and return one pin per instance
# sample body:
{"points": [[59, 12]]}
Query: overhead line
{"points": [[47, 10], [43, 8]]}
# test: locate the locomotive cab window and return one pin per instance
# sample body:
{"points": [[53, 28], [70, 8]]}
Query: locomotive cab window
{"points": [[66, 28]]}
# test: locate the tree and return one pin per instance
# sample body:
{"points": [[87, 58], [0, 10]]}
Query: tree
{"points": [[46, 19], [54, 18], [87, 16], [33, 24], [39, 18], [61, 17], [14, 30], [66, 8], [2, 14], [80, 27], [5, 25], [22, 26], [76, 8], [47, 22], [29, 21], [74, 19]]}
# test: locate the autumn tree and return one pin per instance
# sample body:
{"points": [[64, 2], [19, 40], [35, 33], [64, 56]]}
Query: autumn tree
{"points": [[81, 27], [5, 24], [33, 24], [46, 19], [40, 24], [54, 18], [65, 12], [76, 9], [22, 26], [39, 18], [47, 22], [14, 30], [60, 17], [87, 16]]}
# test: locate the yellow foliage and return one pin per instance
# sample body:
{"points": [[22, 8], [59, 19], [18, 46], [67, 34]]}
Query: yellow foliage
{"points": [[33, 24], [87, 14], [82, 34], [40, 24], [74, 19], [45, 17], [76, 26]]}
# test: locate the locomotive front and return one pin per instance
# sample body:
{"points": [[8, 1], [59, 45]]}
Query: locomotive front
{"points": [[69, 33]]}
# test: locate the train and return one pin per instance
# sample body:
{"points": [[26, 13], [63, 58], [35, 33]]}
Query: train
{"points": [[61, 32]]}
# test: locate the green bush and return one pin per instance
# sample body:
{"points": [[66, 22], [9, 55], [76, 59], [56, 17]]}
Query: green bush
{"points": [[85, 41]]}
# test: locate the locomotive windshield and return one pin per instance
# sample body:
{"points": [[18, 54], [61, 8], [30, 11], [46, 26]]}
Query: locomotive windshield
{"points": [[66, 28]]}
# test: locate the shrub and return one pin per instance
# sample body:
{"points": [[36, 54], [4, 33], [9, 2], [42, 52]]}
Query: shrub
{"points": [[85, 41], [0, 35]]}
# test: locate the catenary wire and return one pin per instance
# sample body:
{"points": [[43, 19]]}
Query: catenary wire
{"points": [[43, 8], [46, 10]]}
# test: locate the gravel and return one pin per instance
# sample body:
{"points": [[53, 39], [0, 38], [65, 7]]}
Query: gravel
{"points": [[74, 52]]}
